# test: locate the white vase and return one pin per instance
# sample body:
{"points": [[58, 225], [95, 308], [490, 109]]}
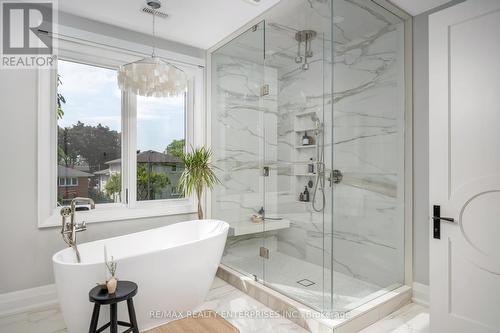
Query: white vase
{"points": [[111, 285]]}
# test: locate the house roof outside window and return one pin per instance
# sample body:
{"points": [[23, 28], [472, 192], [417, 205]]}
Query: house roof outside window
{"points": [[66, 172], [151, 156]]}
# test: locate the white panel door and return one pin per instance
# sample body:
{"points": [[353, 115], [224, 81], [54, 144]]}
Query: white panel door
{"points": [[464, 46]]}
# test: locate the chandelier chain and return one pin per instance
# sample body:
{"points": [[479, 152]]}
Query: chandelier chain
{"points": [[154, 33]]}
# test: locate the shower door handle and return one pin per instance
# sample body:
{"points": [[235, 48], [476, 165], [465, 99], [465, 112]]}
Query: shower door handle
{"points": [[436, 219]]}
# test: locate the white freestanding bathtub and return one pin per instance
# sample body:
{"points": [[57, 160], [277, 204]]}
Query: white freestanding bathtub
{"points": [[173, 266]]}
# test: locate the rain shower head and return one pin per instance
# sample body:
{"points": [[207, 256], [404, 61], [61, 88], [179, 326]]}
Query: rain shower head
{"points": [[306, 37]]}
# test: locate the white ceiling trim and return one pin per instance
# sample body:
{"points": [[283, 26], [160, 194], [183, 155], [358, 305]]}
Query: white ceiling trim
{"points": [[415, 7]]}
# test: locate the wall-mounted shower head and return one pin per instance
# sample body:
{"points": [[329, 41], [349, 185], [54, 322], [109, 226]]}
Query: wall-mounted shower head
{"points": [[306, 37]]}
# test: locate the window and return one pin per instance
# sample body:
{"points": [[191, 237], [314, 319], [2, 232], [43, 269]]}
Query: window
{"points": [[93, 146], [88, 132], [89, 140], [160, 142], [64, 182]]}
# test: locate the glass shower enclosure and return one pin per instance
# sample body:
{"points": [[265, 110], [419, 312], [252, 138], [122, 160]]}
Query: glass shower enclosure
{"points": [[307, 130]]}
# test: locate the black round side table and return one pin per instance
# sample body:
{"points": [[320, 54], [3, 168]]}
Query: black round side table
{"points": [[125, 291]]}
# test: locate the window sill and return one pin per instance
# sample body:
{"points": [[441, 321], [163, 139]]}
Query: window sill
{"points": [[119, 212]]}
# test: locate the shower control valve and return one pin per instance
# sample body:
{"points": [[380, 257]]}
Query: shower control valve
{"points": [[336, 177]]}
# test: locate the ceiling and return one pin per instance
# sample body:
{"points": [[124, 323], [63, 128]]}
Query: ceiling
{"points": [[200, 23], [415, 7]]}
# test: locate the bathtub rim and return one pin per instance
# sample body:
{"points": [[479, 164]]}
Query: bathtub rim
{"points": [[224, 229]]}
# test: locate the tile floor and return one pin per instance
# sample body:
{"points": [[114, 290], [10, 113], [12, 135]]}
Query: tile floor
{"points": [[412, 318], [231, 303], [236, 306]]}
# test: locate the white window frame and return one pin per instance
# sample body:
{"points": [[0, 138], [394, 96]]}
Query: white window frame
{"points": [[66, 184], [76, 50]]}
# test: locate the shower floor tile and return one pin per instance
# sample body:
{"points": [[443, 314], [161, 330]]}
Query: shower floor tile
{"points": [[282, 272]]}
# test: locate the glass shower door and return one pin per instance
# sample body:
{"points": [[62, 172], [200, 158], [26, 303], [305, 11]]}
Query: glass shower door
{"points": [[238, 115], [368, 148], [297, 198], [310, 104]]}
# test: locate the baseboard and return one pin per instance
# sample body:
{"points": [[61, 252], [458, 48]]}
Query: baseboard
{"points": [[27, 299], [420, 294]]}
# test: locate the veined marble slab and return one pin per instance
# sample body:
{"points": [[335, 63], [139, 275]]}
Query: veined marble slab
{"points": [[360, 233], [412, 318]]}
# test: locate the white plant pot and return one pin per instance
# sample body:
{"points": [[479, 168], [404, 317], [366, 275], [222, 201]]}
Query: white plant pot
{"points": [[111, 285]]}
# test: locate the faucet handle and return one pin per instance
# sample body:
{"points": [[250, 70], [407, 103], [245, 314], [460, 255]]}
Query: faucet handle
{"points": [[81, 227], [66, 211]]}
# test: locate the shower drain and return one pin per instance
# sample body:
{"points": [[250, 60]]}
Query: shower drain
{"points": [[306, 282]]}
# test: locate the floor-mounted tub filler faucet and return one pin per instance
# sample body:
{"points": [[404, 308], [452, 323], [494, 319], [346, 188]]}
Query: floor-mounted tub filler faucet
{"points": [[70, 228]]}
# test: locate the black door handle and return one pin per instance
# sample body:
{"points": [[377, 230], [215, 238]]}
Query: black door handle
{"points": [[447, 219], [436, 218]]}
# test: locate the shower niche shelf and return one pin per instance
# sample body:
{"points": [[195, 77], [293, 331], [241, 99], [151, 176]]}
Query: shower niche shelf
{"points": [[307, 146], [301, 130], [306, 114]]}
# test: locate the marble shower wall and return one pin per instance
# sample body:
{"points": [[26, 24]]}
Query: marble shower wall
{"points": [[369, 122], [244, 139], [361, 231], [365, 233]]}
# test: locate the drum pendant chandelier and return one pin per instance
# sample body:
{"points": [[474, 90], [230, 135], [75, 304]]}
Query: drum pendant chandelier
{"points": [[152, 76]]}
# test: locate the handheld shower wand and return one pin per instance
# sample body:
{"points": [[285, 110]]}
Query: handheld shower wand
{"points": [[319, 184]]}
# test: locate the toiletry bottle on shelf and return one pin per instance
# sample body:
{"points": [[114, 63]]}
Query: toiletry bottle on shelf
{"points": [[301, 196], [306, 194], [310, 166], [305, 139]]}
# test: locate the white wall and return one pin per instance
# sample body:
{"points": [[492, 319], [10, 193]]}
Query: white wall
{"points": [[25, 250]]}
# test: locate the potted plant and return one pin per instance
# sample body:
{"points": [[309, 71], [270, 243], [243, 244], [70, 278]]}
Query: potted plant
{"points": [[111, 265], [198, 173]]}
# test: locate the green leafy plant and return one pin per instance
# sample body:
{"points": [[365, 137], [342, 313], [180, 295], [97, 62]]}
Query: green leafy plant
{"points": [[198, 173], [149, 182], [113, 185], [176, 148], [60, 99]]}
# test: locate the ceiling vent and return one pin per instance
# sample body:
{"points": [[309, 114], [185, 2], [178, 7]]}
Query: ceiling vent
{"points": [[158, 13]]}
